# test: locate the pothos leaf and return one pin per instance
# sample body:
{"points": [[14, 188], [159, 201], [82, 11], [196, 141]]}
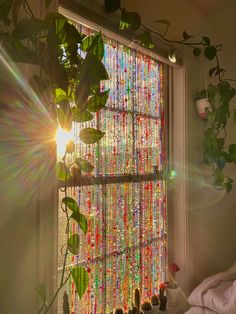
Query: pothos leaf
{"points": [[197, 52], [27, 27], [81, 115], [186, 36], [73, 244], [206, 40], [80, 277], [84, 165], [62, 171], [210, 52], [81, 221], [98, 101], [130, 20], [164, 22], [70, 203], [91, 135], [146, 40]]}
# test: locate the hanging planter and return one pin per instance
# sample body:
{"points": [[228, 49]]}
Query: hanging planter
{"points": [[202, 103]]}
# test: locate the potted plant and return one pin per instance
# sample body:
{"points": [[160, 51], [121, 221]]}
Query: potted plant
{"points": [[147, 308], [155, 303], [202, 103], [172, 287]]}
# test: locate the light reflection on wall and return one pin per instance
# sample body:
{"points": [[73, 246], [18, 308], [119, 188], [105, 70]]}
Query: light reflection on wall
{"points": [[126, 244]]}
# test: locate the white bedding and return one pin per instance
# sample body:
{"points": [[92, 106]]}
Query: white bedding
{"points": [[216, 294]]}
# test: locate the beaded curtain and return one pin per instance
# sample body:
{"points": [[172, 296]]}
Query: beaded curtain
{"points": [[125, 246]]}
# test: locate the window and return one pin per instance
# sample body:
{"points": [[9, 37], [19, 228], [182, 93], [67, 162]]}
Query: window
{"points": [[125, 200]]}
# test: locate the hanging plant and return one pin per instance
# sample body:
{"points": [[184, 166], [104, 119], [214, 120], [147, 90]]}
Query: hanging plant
{"points": [[73, 80], [217, 152]]}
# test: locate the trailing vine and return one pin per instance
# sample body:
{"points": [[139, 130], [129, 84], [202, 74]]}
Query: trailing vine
{"points": [[217, 152], [67, 82]]}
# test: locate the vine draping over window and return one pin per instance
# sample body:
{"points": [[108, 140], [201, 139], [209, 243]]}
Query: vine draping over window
{"points": [[125, 204]]}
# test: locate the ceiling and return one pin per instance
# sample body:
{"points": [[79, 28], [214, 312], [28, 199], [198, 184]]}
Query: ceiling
{"points": [[210, 7]]}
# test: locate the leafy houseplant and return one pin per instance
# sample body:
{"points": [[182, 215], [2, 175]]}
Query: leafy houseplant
{"points": [[202, 103], [214, 154], [67, 82]]}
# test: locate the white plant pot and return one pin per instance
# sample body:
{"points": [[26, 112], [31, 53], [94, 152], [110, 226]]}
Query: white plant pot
{"points": [[203, 106], [172, 295]]}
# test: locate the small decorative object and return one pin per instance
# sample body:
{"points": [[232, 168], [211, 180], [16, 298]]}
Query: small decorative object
{"points": [[202, 103], [163, 304], [172, 289], [162, 297], [146, 307], [118, 310], [155, 300]]}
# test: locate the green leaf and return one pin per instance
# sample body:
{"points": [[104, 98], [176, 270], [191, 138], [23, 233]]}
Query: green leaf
{"points": [[64, 115], [98, 101], [66, 306], [27, 28], [5, 7], [92, 70], [69, 34], [206, 40], [210, 52], [62, 171], [57, 73], [91, 135], [130, 20], [80, 277], [197, 52], [16, 10], [212, 71], [146, 40], [70, 203], [81, 221], [84, 165], [186, 36], [81, 115], [112, 5], [47, 3], [94, 44], [60, 95], [73, 244], [41, 290]]}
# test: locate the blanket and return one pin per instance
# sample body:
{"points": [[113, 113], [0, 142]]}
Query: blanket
{"points": [[215, 294]]}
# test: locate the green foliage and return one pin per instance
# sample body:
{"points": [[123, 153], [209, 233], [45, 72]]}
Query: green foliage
{"points": [[70, 203], [202, 94], [80, 278], [62, 171], [130, 20], [73, 243], [146, 306], [91, 135], [146, 41], [186, 36], [98, 101], [84, 165], [70, 147], [197, 51], [81, 220]]}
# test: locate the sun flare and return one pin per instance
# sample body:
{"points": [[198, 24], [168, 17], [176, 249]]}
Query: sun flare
{"points": [[62, 138]]}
